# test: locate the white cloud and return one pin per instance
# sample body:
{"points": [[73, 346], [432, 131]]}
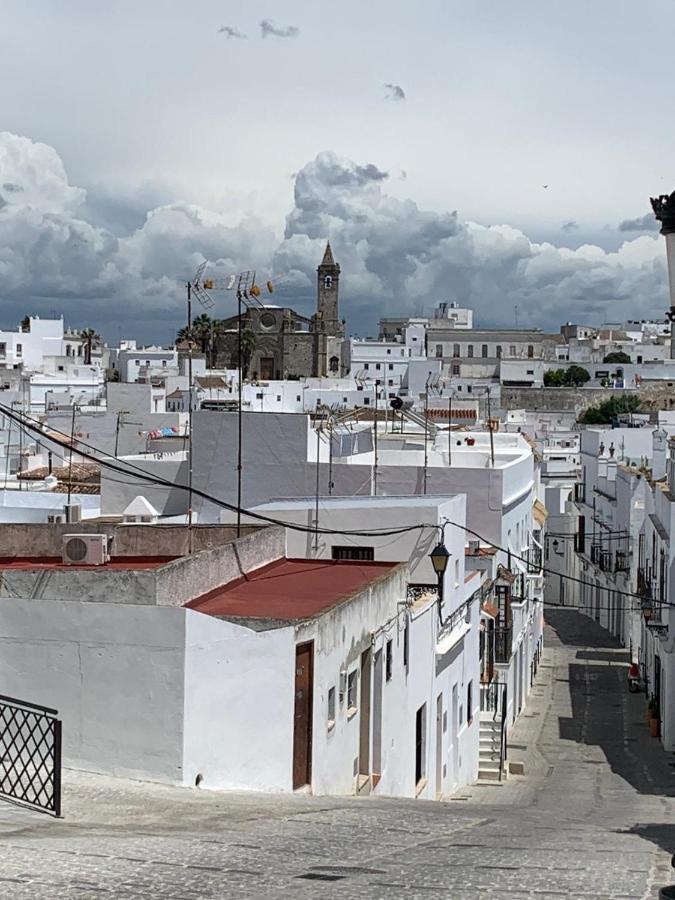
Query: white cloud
{"points": [[394, 255]]}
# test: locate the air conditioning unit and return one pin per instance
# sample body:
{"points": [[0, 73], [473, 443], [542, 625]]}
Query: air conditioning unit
{"points": [[85, 549]]}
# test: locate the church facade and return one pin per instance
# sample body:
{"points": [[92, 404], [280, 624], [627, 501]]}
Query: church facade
{"points": [[280, 343]]}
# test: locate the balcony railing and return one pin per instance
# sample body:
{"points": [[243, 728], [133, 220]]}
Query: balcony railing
{"points": [[417, 592], [503, 644], [605, 560], [621, 561], [595, 554], [580, 492], [534, 560]]}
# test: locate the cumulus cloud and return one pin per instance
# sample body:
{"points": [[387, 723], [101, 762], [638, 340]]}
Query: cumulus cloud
{"points": [[230, 32], [395, 256], [395, 92], [643, 223], [269, 29], [571, 225], [105, 266]]}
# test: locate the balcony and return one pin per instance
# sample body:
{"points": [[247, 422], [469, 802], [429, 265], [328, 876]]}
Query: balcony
{"points": [[621, 561], [503, 644], [596, 551], [605, 560], [534, 560], [421, 592]]}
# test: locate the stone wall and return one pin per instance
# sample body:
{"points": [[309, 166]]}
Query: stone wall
{"points": [[653, 396]]}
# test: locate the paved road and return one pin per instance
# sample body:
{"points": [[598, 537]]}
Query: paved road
{"points": [[593, 817]]}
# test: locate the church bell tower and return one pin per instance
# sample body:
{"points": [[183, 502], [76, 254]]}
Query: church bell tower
{"points": [[327, 294]]}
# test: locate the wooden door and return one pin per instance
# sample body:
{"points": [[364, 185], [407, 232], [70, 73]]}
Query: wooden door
{"points": [[267, 368], [302, 725]]}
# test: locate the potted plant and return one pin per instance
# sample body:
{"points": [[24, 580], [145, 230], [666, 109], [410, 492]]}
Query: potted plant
{"points": [[470, 441], [654, 726], [651, 709]]}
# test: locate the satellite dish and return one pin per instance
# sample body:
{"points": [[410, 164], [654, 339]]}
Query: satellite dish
{"points": [[396, 403]]}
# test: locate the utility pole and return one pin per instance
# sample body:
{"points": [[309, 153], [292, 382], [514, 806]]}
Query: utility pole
{"points": [[450, 428], [70, 464], [239, 411], [375, 443], [492, 439], [189, 326], [318, 470], [426, 433]]}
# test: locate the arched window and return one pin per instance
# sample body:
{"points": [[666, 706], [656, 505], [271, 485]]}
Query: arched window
{"points": [[328, 282], [334, 364]]}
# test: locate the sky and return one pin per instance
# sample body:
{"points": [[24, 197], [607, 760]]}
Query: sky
{"points": [[495, 154]]}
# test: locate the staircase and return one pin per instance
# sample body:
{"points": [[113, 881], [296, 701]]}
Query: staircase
{"points": [[489, 756]]}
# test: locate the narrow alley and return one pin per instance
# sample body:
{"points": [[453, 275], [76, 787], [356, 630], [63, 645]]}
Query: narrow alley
{"points": [[592, 817]]}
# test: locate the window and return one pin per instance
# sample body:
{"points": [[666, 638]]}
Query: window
{"points": [[3, 348], [420, 744], [68, 350], [278, 398], [484, 351], [344, 399], [377, 367], [530, 351], [19, 349], [469, 703], [530, 371], [439, 351], [455, 350], [328, 282], [164, 363], [366, 365], [459, 386], [390, 383], [61, 368], [512, 350], [259, 395], [366, 554], [499, 351], [331, 709], [406, 645], [391, 367], [389, 660], [298, 398], [388, 351], [352, 684], [469, 351], [366, 401], [455, 368], [138, 362]]}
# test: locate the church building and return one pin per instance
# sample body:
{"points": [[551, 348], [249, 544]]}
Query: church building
{"points": [[280, 343]]}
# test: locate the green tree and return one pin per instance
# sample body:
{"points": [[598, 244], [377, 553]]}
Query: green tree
{"points": [[572, 376], [604, 413], [577, 375], [90, 339], [248, 345], [617, 356]]}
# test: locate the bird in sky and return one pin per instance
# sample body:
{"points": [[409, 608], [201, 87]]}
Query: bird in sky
{"points": [[545, 186]]}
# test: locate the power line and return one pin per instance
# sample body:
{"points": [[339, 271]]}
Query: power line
{"points": [[269, 520]]}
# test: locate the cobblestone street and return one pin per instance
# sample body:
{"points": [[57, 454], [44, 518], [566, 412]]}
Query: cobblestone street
{"points": [[592, 817]]}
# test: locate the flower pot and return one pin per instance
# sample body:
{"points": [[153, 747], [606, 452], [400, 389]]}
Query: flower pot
{"points": [[649, 715], [654, 727], [470, 442]]}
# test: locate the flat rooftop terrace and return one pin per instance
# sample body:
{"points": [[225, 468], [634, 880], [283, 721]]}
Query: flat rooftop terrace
{"points": [[121, 562], [291, 589]]}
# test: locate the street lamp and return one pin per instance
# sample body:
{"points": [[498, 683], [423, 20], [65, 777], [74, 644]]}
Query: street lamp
{"points": [[439, 560]]}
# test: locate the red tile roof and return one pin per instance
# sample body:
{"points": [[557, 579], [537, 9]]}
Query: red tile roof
{"points": [[55, 562], [291, 589]]}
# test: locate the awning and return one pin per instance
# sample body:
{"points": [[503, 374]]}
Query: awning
{"points": [[490, 610], [539, 512]]}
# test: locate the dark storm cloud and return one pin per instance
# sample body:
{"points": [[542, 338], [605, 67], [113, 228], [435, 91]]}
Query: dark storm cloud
{"points": [[396, 92], [643, 223], [109, 262], [269, 29]]}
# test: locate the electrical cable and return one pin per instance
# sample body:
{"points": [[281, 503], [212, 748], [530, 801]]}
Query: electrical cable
{"points": [[145, 476]]}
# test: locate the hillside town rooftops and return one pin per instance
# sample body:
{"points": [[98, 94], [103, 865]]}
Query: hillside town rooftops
{"points": [[291, 589]]}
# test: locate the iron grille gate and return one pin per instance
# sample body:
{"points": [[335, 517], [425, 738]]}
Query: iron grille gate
{"points": [[30, 754]]}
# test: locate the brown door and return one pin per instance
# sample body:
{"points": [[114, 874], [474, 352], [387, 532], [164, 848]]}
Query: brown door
{"points": [[267, 368], [302, 726]]}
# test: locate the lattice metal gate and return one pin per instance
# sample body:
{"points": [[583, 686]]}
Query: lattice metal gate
{"points": [[30, 755]]}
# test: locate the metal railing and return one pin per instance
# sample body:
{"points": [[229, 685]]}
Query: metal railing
{"points": [[30, 755], [580, 492], [415, 592], [621, 561], [605, 560], [503, 644]]}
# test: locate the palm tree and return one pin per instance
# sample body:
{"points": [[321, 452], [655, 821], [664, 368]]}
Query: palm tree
{"points": [[91, 339], [248, 344], [201, 329]]}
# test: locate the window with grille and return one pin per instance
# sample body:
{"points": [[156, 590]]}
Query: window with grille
{"points": [[363, 554]]}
